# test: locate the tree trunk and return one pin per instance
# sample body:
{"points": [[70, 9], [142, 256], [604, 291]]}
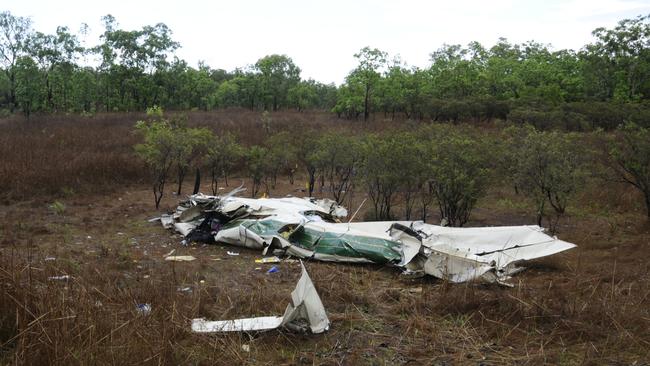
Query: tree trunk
{"points": [[366, 112], [181, 177], [197, 182], [12, 92], [214, 182], [312, 180]]}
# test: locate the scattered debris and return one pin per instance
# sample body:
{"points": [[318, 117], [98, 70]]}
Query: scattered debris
{"points": [[305, 312], [246, 348], [310, 228], [49, 259], [180, 258], [59, 278], [170, 253], [232, 253], [273, 269], [268, 260], [144, 309], [184, 289]]}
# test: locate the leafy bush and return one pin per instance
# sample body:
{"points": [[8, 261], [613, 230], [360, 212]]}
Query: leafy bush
{"points": [[458, 175], [549, 170], [283, 155], [168, 143], [259, 168], [224, 153], [337, 158], [382, 157], [629, 157]]}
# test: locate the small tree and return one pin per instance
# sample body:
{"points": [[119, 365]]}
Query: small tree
{"points": [[190, 145], [629, 157], [380, 169], [307, 146], [257, 162], [157, 149], [458, 176], [224, 153], [283, 155], [413, 173], [549, 171], [338, 158]]}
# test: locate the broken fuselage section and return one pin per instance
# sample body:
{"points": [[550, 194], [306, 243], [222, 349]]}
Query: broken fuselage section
{"points": [[309, 229]]}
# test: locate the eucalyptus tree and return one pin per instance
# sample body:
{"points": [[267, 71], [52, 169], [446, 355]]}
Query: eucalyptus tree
{"points": [[129, 59], [55, 54], [278, 74], [367, 74], [14, 33], [617, 64]]}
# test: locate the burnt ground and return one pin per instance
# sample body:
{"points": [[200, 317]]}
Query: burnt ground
{"points": [[588, 305]]}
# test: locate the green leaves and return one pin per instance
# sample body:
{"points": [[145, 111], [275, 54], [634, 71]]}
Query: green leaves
{"points": [[169, 143], [259, 167], [550, 169], [278, 74], [458, 174], [629, 157]]}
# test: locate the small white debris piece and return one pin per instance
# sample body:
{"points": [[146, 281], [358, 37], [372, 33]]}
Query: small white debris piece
{"points": [[49, 259], [144, 309], [180, 258], [246, 347], [59, 278], [232, 253], [304, 312]]}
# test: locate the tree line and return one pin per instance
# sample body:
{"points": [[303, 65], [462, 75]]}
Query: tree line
{"points": [[602, 85], [407, 173]]}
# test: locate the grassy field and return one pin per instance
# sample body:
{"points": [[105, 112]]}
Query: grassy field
{"points": [[75, 202]]}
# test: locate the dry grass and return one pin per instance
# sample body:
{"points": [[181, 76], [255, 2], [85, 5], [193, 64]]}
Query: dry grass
{"points": [[59, 154], [587, 306]]}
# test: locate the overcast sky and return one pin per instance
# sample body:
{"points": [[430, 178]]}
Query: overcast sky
{"points": [[322, 36]]}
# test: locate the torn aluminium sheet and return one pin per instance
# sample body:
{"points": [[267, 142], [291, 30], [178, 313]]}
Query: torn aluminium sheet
{"points": [[308, 228], [304, 313]]}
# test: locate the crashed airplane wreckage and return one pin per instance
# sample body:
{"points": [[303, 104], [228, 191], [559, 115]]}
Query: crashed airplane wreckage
{"points": [[310, 229]]}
